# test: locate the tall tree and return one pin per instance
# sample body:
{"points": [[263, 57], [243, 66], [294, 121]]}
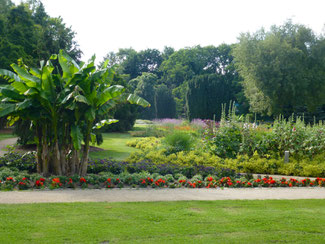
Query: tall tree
{"points": [[146, 88], [206, 94], [164, 102], [282, 68]]}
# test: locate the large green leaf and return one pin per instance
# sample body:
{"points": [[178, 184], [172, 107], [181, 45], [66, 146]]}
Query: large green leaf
{"points": [[25, 104], [35, 72], [76, 136], [11, 93], [68, 65], [7, 108], [90, 114], [110, 93], [134, 99], [30, 92], [19, 86], [106, 107], [104, 122], [9, 76], [81, 99], [47, 80], [30, 80]]}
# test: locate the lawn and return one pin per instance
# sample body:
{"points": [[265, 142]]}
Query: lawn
{"points": [[297, 221], [6, 136], [115, 147]]}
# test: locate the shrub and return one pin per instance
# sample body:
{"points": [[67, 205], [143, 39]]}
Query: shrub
{"points": [[18, 161], [177, 142]]}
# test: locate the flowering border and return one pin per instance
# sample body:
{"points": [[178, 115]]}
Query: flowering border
{"points": [[10, 183]]}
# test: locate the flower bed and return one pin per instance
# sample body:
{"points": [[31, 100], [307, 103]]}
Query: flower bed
{"points": [[145, 180]]}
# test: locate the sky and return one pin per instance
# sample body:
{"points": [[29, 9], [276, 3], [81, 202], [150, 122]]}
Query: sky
{"points": [[107, 25]]}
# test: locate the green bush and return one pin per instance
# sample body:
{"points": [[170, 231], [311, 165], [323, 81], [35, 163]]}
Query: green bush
{"points": [[178, 142]]}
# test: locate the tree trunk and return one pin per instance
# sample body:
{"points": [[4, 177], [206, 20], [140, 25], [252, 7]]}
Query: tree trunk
{"points": [[45, 157], [39, 149], [56, 159], [85, 153], [84, 159], [74, 162], [63, 161]]}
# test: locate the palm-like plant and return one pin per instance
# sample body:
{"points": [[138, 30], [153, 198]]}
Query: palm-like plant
{"points": [[63, 107]]}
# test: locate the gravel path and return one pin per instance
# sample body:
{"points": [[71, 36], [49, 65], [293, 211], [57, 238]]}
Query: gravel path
{"points": [[6, 142], [143, 195]]}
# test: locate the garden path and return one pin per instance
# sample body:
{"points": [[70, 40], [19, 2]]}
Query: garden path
{"points": [[143, 195], [6, 142]]}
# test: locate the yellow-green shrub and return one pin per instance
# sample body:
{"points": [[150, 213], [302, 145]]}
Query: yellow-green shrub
{"points": [[147, 143], [151, 150], [180, 158]]}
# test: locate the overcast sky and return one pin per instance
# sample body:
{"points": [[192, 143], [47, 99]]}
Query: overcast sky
{"points": [[107, 25]]}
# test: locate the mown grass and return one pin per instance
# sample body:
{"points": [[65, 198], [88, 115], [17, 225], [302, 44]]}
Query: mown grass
{"points": [[294, 221], [114, 146], [6, 136]]}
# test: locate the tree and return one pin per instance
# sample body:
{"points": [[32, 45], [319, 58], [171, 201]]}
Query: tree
{"points": [[164, 102], [146, 88], [206, 94], [63, 108], [282, 68]]}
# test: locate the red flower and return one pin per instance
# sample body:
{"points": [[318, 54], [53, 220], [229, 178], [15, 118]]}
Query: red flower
{"points": [[82, 180], [56, 180], [10, 178], [39, 183], [210, 179], [42, 179], [117, 179], [290, 185], [249, 184], [24, 178], [109, 180]]}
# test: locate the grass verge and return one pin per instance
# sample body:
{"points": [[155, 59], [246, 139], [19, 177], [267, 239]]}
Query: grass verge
{"points": [[296, 221], [6, 136], [114, 146]]}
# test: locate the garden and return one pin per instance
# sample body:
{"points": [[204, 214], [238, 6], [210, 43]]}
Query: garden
{"points": [[173, 153]]}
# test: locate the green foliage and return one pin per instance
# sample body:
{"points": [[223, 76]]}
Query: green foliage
{"points": [[147, 143], [206, 94], [146, 89], [17, 161], [178, 141], [164, 103], [282, 68], [235, 135], [28, 32], [64, 108], [153, 152]]}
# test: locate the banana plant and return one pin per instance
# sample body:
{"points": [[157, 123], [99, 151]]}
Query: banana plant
{"points": [[63, 105]]}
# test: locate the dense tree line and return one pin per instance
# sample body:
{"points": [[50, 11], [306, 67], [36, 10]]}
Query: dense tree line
{"points": [[27, 32], [169, 80], [280, 71]]}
